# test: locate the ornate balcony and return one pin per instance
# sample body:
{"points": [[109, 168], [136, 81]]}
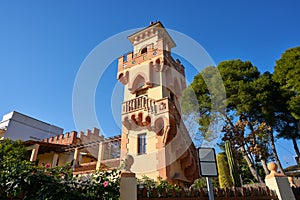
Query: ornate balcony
{"points": [[140, 103], [143, 111]]}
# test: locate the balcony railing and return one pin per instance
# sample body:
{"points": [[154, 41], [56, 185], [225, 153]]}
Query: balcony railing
{"points": [[146, 104], [139, 103]]}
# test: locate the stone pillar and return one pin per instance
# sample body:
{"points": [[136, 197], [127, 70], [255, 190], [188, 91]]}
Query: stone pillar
{"points": [[279, 183], [75, 158], [34, 152], [128, 186], [100, 155], [54, 159]]}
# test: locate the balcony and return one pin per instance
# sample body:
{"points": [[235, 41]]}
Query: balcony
{"points": [[149, 106], [137, 104]]}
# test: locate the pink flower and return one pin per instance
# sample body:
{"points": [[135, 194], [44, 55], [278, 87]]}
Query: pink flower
{"points": [[47, 165], [105, 184]]}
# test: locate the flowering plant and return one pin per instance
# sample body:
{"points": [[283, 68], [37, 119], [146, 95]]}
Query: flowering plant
{"points": [[102, 185], [21, 179]]}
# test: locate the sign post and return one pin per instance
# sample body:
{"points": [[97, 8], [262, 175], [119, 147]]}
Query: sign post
{"points": [[210, 189], [208, 167]]}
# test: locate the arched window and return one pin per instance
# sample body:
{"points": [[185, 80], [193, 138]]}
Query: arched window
{"points": [[139, 82], [144, 50]]}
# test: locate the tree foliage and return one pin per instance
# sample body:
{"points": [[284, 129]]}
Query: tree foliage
{"points": [[14, 167], [205, 100], [248, 111], [287, 75]]}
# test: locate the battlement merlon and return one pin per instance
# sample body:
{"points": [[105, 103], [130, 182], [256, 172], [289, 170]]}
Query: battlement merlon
{"points": [[70, 138], [151, 57], [67, 138]]}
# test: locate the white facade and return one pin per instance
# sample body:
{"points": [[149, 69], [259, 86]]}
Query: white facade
{"points": [[15, 125]]}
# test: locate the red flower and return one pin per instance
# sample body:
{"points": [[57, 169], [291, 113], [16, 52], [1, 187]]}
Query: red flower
{"points": [[47, 165]]}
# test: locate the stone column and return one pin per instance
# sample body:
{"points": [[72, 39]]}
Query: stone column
{"points": [[34, 152], [75, 158], [279, 183], [100, 155], [128, 186], [54, 160]]}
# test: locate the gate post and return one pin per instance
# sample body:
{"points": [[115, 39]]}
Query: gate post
{"points": [[128, 186], [279, 183]]}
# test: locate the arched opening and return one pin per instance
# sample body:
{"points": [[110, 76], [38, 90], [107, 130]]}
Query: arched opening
{"points": [[140, 117], [151, 64], [157, 61], [138, 83], [120, 76], [144, 50], [148, 120], [157, 65]]}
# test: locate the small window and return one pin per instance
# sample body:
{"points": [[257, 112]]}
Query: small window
{"points": [[142, 144]]}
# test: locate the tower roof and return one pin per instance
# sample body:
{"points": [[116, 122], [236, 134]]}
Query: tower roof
{"points": [[157, 26]]}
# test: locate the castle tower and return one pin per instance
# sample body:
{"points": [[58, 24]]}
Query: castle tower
{"points": [[152, 129]]}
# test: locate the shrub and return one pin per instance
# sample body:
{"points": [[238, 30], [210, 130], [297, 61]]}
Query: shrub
{"points": [[20, 178]]}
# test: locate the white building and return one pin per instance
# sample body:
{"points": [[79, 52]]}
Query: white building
{"points": [[15, 125]]}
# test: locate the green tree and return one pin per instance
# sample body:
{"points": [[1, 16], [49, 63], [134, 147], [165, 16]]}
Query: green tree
{"points": [[14, 167], [246, 108], [287, 74], [204, 100]]}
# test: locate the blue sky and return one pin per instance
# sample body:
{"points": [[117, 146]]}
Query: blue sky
{"points": [[43, 44]]}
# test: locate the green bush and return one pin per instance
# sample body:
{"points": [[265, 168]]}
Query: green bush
{"points": [[160, 184]]}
